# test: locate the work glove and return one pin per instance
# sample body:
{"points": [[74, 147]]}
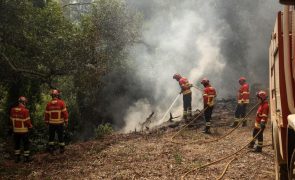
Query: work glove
{"points": [[191, 85], [262, 125]]}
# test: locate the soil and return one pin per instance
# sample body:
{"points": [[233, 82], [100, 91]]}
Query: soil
{"points": [[151, 155]]}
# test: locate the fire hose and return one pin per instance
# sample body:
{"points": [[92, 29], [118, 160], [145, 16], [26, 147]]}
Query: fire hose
{"points": [[203, 110], [226, 157], [225, 169], [227, 165], [222, 137], [231, 131]]}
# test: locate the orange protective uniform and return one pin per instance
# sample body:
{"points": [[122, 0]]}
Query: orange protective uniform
{"points": [[262, 114], [209, 95], [244, 94], [56, 112], [20, 119], [185, 86]]}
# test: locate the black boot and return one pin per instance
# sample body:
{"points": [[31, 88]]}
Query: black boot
{"points": [[234, 124], [258, 149], [17, 159], [51, 149], [206, 130], [27, 159], [251, 145], [61, 149]]}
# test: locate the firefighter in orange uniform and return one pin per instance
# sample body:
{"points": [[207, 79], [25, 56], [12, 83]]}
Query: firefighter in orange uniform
{"points": [[209, 94], [56, 117], [261, 120], [243, 100], [187, 95], [21, 123]]}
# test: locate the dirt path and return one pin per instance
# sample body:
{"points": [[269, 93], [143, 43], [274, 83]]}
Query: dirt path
{"points": [[136, 156]]}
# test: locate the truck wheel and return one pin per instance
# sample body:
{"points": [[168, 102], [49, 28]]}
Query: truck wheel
{"points": [[281, 169], [292, 166]]}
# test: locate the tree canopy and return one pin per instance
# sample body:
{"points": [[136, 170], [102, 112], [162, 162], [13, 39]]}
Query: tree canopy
{"points": [[43, 47]]}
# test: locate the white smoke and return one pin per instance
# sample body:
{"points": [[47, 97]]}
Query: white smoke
{"points": [[183, 37]]}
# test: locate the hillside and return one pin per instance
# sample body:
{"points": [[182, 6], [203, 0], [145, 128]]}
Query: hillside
{"points": [[151, 156]]}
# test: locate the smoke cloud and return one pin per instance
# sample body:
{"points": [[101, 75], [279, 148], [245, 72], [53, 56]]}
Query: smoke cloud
{"points": [[218, 39]]}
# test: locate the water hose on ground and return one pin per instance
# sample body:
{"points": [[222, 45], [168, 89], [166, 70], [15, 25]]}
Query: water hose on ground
{"points": [[226, 157], [226, 167], [231, 131], [189, 123]]}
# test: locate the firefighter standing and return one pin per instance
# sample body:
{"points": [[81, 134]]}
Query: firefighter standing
{"points": [[243, 100], [261, 120], [209, 94], [56, 117], [187, 95], [21, 123]]}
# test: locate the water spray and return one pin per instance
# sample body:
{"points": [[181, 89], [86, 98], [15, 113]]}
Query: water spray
{"points": [[170, 107]]}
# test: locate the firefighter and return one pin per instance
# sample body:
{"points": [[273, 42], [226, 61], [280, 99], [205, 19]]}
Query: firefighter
{"points": [[243, 100], [261, 120], [209, 94], [187, 95], [21, 124], [56, 117]]}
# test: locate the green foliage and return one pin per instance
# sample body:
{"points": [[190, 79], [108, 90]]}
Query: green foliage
{"points": [[103, 130], [41, 48]]}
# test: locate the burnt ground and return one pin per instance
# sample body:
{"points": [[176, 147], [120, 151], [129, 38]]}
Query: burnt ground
{"points": [[152, 156]]}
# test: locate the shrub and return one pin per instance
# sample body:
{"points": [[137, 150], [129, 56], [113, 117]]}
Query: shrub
{"points": [[103, 130]]}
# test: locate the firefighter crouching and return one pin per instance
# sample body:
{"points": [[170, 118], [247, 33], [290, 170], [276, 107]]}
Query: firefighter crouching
{"points": [[261, 120], [21, 123], [209, 94], [56, 117], [187, 95], [243, 100]]}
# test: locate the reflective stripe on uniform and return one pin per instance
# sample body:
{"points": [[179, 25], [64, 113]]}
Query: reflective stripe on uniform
{"points": [[186, 91], [62, 144], [57, 120], [26, 153], [208, 123], [17, 152], [244, 101], [50, 143], [21, 129], [260, 143]]}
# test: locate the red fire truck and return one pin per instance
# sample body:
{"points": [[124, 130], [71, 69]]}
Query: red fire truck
{"points": [[282, 90]]}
